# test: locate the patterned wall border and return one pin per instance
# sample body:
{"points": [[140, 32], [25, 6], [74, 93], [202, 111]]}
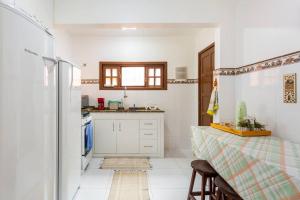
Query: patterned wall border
{"points": [[170, 81], [89, 81], [187, 81], [262, 65]]}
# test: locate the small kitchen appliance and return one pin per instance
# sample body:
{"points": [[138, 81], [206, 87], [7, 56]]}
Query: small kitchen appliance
{"points": [[101, 103], [84, 101]]}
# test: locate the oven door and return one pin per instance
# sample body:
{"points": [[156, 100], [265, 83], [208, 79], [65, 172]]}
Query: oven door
{"points": [[87, 138]]}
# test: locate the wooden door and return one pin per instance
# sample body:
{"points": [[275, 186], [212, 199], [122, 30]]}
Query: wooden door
{"points": [[128, 136], [105, 136], [206, 61]]}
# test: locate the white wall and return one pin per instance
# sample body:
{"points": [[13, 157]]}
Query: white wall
{"points": [[204, 38], [267, 29], [63, 45], [177, 50], [140, 11], [194, 12], [179, 101], [263, 94]]}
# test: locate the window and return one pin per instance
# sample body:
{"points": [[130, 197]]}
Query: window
{"points": [[133, 75]]}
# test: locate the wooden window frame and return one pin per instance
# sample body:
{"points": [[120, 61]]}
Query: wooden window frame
{"points": [[147, 65]]}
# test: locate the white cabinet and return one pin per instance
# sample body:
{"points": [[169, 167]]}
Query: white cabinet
{"points": [[105, 136], [128, 134], [116, 136]]}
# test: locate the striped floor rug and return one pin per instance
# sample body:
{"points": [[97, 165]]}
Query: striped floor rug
{"points": [[129, 185], [126, 164], [130, 180]]}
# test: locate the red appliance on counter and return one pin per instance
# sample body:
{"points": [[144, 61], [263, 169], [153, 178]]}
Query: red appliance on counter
{"points": [[101, 103]]}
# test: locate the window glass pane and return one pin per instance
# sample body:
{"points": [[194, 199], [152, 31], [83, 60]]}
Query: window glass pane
{"points": [[114, 81], [151, 72], [114, 72], [107, 82], [107, 72], [157, 81], [133, 76], [157, 72], [151, 81]]}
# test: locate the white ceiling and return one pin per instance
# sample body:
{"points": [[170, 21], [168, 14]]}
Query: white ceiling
{"points": [[141, 29]]}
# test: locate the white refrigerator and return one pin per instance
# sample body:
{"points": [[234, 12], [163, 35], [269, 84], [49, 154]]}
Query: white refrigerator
{"points": [[40, 119], [28, 109], [69, 134]]}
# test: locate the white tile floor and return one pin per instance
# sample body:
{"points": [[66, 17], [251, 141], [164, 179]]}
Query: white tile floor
{"points": [[168, 180]]}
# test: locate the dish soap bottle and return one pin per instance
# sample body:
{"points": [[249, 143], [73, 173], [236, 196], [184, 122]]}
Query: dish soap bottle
{"points": [[125, 100]]}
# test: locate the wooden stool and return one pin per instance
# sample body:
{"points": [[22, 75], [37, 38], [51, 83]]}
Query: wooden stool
{"points": [[224, 190], [207, 172]]}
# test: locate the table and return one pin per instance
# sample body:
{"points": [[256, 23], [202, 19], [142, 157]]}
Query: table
{"points": [[261, 168]]}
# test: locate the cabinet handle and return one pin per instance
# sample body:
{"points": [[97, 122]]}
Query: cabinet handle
{"points": [[148, 146], [120, 126], [148, 134], [113, 126], [148, 124]]}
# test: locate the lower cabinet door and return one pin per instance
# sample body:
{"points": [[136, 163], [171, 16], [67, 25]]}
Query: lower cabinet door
{"points": [[105, 136], [128, 136]]}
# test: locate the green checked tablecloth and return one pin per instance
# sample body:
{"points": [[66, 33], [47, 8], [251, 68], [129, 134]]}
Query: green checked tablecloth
{"points": [[262, 168]]}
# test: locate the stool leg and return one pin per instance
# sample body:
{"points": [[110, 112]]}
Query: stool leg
{"points": [[213, 185], [219, 194], [203, 184], [210, 188], [192, 184], [223, 196]]}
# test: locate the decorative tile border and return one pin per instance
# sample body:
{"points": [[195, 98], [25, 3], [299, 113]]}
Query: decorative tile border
{"points": [[169, 81], [225, 72], [89, 81], [262, 65], [187, 81]]}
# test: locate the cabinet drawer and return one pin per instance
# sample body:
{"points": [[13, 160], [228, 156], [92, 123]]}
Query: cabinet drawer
{"points": [[148, 146], [148, 124], [148, 134]]}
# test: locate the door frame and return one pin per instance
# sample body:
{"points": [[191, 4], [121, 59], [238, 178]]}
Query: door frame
{"points": [[199, 80]]}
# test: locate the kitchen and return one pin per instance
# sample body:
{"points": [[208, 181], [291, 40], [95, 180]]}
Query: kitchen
{"points": [[135, 100]]}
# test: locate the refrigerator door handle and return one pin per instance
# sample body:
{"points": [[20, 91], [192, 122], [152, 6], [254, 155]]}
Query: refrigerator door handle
{"points": [[71, 86], [49, 59], [31, 52], [72, 76]]}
